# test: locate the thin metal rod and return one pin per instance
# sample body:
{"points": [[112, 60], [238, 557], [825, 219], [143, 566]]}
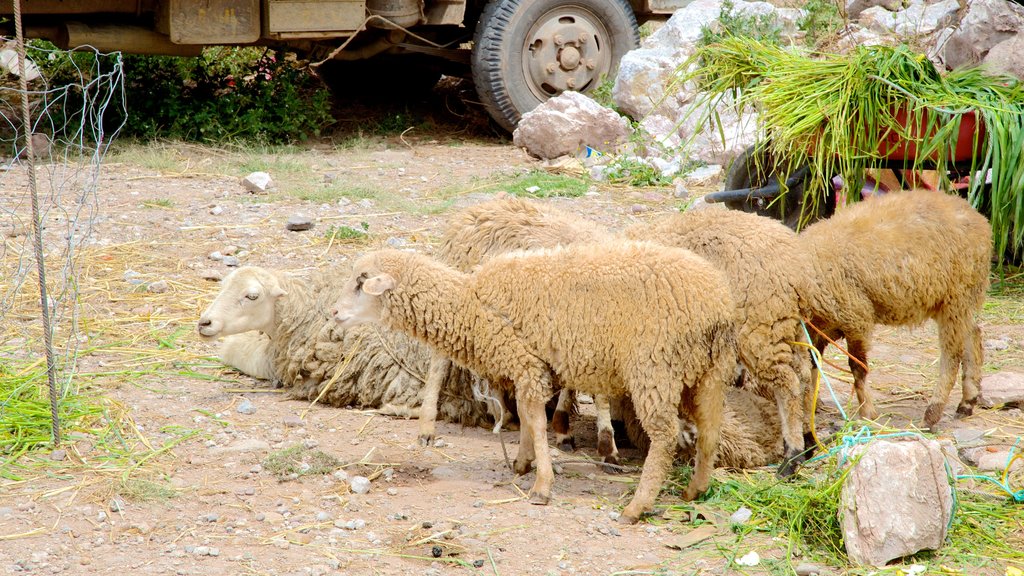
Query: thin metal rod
{"points": [[37, 225]]}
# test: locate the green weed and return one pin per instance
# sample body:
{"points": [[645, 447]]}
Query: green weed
{"points": [[343, 232], [298, 460]]}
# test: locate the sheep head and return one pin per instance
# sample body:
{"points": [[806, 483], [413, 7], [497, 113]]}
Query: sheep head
{"points": [[361, 300], [246, 302]]}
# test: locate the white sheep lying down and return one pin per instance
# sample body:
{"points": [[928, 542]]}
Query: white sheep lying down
{"points": [[277, 327], [656, 323]]}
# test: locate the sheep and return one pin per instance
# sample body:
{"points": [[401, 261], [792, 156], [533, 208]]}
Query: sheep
{"points": [[751, 432], [277, 328], [897, 260], [607, 318], [768, 274], [496, 227]]}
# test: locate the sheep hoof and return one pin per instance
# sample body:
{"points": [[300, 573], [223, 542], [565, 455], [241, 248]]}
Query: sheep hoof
{"points": [[788, 467], [426, 439], [613, 469], [521, 468], [627, 518], [868, 412], [691, 493], [966, 408], [539, 499], [932, 415], [567, 444]]}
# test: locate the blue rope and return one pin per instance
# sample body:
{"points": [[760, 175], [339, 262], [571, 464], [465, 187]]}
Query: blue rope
{"points": [[1018, 496], [817, 362]]}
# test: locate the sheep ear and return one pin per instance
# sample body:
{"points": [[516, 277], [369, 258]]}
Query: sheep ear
{"points": [[378, 284]]}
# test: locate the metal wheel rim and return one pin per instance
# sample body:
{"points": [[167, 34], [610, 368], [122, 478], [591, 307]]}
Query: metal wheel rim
{"points": [[568, 48]]}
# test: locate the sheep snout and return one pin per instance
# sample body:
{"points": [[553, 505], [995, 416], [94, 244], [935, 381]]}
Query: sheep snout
{"points": [[209, 328]]}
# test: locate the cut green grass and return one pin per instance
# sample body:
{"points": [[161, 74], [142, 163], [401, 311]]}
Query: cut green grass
{"points": [[296, 461], [347, 233], [802, 514]]}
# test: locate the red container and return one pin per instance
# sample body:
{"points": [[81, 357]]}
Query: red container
{"points": [[893, 147]]}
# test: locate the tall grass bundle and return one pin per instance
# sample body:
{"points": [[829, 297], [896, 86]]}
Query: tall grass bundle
{"points": [[841, 114]]}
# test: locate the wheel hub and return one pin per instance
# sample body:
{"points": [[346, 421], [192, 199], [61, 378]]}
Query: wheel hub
{"points": [[567, 49]]}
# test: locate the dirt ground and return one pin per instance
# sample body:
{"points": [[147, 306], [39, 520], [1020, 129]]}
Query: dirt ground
{"points": [[211, 503]]}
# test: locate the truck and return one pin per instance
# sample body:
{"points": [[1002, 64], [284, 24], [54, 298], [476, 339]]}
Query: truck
{"points": [[517, 52]]}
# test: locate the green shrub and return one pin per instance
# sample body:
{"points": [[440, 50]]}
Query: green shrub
{"points": [[224, 94]]}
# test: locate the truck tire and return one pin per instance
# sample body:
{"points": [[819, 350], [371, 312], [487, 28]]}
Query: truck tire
{"points": [[526, 51]]}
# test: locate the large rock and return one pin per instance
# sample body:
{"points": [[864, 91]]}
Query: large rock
{"points": [[895, 501], [645, 73], [985, 24], [566, 124], [1002, 388], [854, 8], [1005, 57], [920, 18]]}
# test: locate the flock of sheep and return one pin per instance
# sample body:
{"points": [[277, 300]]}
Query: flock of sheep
{"points": [[694, 320]]}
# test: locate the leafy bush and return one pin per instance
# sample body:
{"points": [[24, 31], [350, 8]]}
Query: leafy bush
{"points": [[224, 94], [731, 22]]}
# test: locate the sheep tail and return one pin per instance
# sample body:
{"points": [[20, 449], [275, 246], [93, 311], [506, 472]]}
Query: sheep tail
{"points": [[482, 391]]}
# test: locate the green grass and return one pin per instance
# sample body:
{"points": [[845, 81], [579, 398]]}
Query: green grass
{"points": [[534, 184], [158, 203], [298, 460], [84, 414], [635, 172], [142, 490], [160, 157], [343, 233], [800, 516], [1005, 301]]}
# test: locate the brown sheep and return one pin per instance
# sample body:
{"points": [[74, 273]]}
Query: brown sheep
{"points": [[898, 260], [579, 315]]}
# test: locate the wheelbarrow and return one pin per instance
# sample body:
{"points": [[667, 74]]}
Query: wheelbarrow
{"points": [[754, 182]]}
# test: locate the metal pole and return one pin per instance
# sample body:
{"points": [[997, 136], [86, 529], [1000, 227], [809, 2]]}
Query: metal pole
{"points": [[37, 225]]}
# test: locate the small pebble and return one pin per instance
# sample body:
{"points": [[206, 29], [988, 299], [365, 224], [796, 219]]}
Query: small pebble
{"points": [[323, 516], [213, 551], [158, 287], [806, 569], [211, 274], [436, 551], [741, 516], [340, 475], [231, 261], [392, 491], [58, 455], [101, 516], [299, 223], [292, 421], [260, 517], [116, 505], [245, 407], [216, 210], [478, 563], [359, 484], [638, 208], [216, 256]]}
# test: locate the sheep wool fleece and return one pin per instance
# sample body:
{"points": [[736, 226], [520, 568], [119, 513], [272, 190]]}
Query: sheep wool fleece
{"points": [[610, 318]]}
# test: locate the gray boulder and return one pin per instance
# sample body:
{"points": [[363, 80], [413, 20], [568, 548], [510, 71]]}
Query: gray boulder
{"points": [[854, 8], [566, 124], [895, 501], [985, 24], [1005, 57], [1002, 388]]}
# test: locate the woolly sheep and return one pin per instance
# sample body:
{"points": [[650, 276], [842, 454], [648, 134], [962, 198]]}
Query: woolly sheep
{"points": [[897, 260], [657, 323], [767, 272], [499, 226], [277, 327], [751, 432]]}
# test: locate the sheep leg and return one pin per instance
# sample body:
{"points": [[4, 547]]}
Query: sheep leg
{"points": [[858, 348], [525, 456], [951, 345], [560, 421], [439, 368], [534, 421], [662, 428], [709, 404], [606, 447], [973, 360]]}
